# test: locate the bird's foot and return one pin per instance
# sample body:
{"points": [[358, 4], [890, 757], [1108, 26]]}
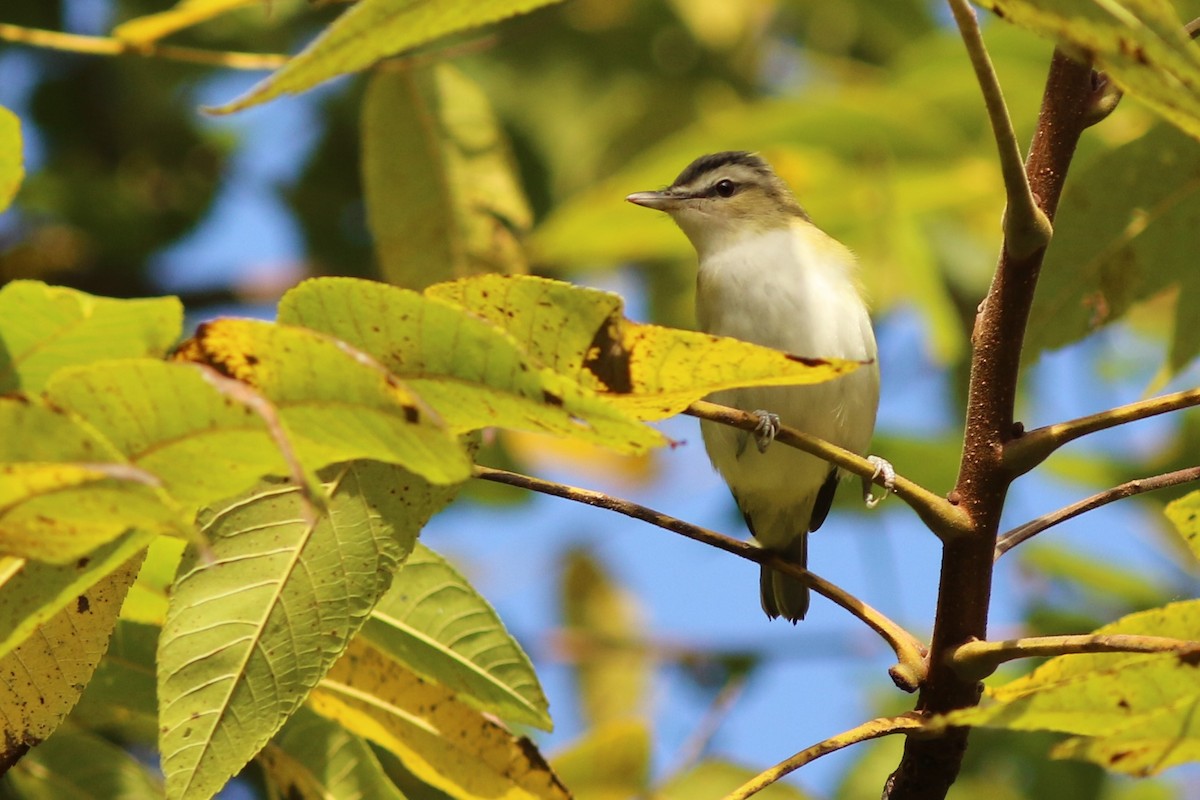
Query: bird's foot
{"points": [[882, 467], [764, 432]]}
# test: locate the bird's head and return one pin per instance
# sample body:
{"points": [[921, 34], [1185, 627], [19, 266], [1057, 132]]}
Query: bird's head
{"points": [[724, 196]]}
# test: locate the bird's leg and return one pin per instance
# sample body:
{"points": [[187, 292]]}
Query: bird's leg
{"points": [[882, 467], [764, 432]]}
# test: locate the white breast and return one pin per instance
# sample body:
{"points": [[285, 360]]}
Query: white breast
{"points": [[792, 289]]}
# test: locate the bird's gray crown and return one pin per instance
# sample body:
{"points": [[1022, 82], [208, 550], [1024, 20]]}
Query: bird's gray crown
{"points": [[745, 170], [714, 161]]}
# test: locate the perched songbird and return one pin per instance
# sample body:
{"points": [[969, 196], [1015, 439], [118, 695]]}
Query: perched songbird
{"points": [[769, 276]]}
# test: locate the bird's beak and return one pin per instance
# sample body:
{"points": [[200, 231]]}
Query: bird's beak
{"points": [[662, 201]]}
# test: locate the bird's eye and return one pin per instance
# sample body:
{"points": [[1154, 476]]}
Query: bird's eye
{"points": [[725, 187]]}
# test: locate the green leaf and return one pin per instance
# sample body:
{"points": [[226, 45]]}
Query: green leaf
{"points": [[442, 199], [1184, 514], [713, 779], [1117, 241], [44, 328], [1140, 44], [472, 374], [312, 757], [12, 169], [437, 625], [442, 742], [249, 634], [78, 764], [32, 592], [610, 762], [65, 489], [120, 698], [186, 13], [335, 404], [44, 676], [1137, 710], [1102, 580], [648, 371], [371, 30]]}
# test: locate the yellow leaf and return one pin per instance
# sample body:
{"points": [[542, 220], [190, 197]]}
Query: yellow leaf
{"points": [[12, 169], [610, 762], [1184, 514], [186, 13], [440, 740], [648, 371], [442, 199]]}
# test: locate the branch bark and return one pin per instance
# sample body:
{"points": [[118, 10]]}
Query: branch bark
{"points": [[930, 765], [910, 653], [977, 660], [1032, 528]]}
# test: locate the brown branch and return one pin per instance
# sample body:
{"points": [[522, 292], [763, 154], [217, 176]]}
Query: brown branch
{"points": [[1026, 227], [977, 660], [107, 46], [931, 764], [874, 729], [942, 517], [910, 653], [1137, 486], [1031, 449]]}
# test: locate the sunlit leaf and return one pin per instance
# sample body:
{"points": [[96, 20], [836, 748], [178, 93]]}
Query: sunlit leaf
{"points": [[437, 625], [604, 630], [1136, 710], [78, 764], [12, 167], [44, 328], [1116, 242], [249, 634], [64, 489], [648, 371], [44, 676], [442, 199], [312, 758], [1140, 44], [336, 404], [31, 592], [610, 762], [371, 30], [472, 374], [1184, 513], [186, 13], [441, 741]]}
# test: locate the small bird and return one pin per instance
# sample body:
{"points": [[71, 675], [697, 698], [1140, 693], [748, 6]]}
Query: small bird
{"points": [[767, 275]]}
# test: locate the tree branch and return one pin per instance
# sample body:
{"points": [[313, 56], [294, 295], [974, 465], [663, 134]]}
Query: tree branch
{"points": [[977, 660], [1137, 486], [1031, 449], [910, 653], [874, 729], [107, 46], [1026, 227], [931, 764], [938, 513]]}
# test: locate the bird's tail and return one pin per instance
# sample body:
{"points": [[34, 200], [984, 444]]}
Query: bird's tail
{"points": [[783, 595]]}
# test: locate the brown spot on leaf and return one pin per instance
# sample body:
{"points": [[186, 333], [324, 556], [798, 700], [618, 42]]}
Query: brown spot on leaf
{"points": [[82, 604], [82, 563], [807, 361], [411, 415], [1190, 658], [608, 359], [551, 399]]}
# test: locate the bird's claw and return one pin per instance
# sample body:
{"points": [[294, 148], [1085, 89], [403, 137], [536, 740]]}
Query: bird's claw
{"points": [[764, 432], [882, 467]]}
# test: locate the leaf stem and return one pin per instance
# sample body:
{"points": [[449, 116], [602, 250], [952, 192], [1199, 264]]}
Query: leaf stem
{"points": [[1032, 448], [873, 729], [910, 653], [976, 660], [945, 519], [1027, 229], [108, 46], [1137, 486]]}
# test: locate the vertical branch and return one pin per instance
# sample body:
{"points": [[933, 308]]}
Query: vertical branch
{"points": [[930, 765]]}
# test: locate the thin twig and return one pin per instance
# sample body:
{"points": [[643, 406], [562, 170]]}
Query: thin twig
{"points": [[107, 46], [941, 516], [1034, 447], [910, 653], [976, 660], [1026, 227], [1137, 486], [718, 710], [874, 729]]}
